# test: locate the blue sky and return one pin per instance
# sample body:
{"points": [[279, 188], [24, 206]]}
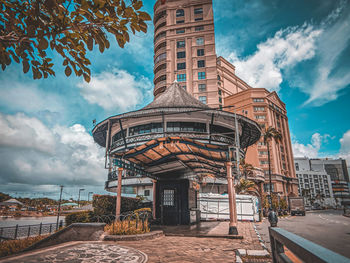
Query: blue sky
{"points": [[298, 48]]}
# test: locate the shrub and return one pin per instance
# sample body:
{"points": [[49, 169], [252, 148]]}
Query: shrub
{"points": [[127, 227], [106, 204], [13, 246], [79, 217]]}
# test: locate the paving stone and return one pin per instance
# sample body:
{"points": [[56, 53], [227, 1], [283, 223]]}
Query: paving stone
{"points": [[258, 253]]}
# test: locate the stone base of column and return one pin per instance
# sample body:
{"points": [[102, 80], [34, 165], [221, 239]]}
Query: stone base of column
{"points": [[232, 230]]}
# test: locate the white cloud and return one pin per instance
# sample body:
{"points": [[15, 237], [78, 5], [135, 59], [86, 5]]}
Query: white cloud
{"points": [[275, 58], [25, 132], [116, 90], [345, 147], [328, 81], [288, 47], [310, 150], [33, 154]]}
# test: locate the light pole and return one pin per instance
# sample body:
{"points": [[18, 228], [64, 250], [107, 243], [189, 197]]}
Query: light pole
{"points": [[59, 208], [90, 193], [79, 196]]}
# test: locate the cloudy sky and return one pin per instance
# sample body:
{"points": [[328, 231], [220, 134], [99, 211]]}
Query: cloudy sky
{"points": [[298, 48]]}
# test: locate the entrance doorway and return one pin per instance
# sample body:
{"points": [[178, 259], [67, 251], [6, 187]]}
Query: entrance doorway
{"points": [[172, 202]]}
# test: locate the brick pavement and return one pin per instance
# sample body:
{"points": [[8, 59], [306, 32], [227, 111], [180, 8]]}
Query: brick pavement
{"points": [[193, 249], [163, 249]]}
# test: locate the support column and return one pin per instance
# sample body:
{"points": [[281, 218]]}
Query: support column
{"points": [[231, 200], [119, 194], [154, 198]]}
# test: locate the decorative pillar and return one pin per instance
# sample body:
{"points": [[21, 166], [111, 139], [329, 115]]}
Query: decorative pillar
{"points": [[154, 198], [119, 194], [231, 200]]}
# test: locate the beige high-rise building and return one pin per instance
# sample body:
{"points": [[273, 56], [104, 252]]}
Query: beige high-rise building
{"points": [[184, 47], [268, 110]]}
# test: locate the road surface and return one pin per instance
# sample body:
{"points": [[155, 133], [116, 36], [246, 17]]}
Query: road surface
{"points": [[328, 228]]}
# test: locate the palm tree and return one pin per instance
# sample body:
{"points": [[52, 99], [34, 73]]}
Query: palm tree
{"points": [[269, 135], [245, 186], [246, 168]]}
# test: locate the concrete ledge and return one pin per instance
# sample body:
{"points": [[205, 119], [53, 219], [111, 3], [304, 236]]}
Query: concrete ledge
{"points": [[146, 236], [74, 232], [207, 236]]}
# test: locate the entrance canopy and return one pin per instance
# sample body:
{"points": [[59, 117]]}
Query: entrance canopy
{"points": [[176, 136]]}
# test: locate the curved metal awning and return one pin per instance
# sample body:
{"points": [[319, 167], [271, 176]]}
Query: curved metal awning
{"points": [[178, 154]]}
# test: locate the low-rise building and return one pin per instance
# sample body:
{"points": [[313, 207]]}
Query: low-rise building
{"points": [[323, 181]]}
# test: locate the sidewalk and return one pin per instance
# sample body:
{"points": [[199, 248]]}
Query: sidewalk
{"points": [[163, 249]]}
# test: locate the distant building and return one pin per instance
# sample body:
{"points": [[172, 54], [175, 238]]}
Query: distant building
{"points": [[336, 169], [11, 204]]}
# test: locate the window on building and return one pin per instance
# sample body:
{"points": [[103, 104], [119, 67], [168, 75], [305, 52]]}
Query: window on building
{"points": [[198, 10], [180, 12], [180, 44], [168, 197], [297, 166], [201, 75], [146, 128], [202, 87], [198, 19], [146, 193], [260, 117], [220, 100], [119, 135], [262, 153], [128, 189], [267, 187], [203, 99], [181, 66], [201, 63], [258, 100], [259, 108], [220, 92], [200, 52], [200, 41], [160, 58], [181, 77], [199, 28], [181, 54], [186, 126], [264, 162], [180, 21], [180, 31]]}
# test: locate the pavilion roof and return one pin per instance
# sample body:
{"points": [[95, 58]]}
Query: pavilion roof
{"points": [[175, 97]]}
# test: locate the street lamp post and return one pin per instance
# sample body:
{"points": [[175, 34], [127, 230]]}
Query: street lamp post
{"points": [[79, 196], [90, 193]]}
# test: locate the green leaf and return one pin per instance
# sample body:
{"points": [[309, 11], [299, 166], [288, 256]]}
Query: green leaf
{"points": [[43, 44], [25, 66], [87, 78], [144, 16], [68, 71], [90, 43], [138, 5]]}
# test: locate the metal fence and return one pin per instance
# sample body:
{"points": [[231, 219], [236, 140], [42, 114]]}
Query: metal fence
{"points": [[286, 246], [18, 232]]}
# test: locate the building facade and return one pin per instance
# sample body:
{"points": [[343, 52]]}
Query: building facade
{"points": [[337, 171], [268, 110], [314, 185], [184, 51]]}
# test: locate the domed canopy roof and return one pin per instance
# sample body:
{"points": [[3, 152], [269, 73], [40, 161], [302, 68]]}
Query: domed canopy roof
{"points": [[175, 97]]}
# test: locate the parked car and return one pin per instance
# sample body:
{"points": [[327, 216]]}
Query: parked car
{"points": [[296, 206]]}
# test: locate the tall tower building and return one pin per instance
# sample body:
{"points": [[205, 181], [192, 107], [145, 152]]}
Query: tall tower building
{"points": [[184, 50]]}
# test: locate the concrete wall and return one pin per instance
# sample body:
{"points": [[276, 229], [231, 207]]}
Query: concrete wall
{"points": [[74, 232]]}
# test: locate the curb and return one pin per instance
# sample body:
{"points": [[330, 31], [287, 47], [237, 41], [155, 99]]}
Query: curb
{"points": [[146, 236], [264, 253], [206, 236]]}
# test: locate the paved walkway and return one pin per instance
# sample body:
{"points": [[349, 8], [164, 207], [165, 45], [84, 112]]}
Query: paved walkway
{"points": [[163, 249]]}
